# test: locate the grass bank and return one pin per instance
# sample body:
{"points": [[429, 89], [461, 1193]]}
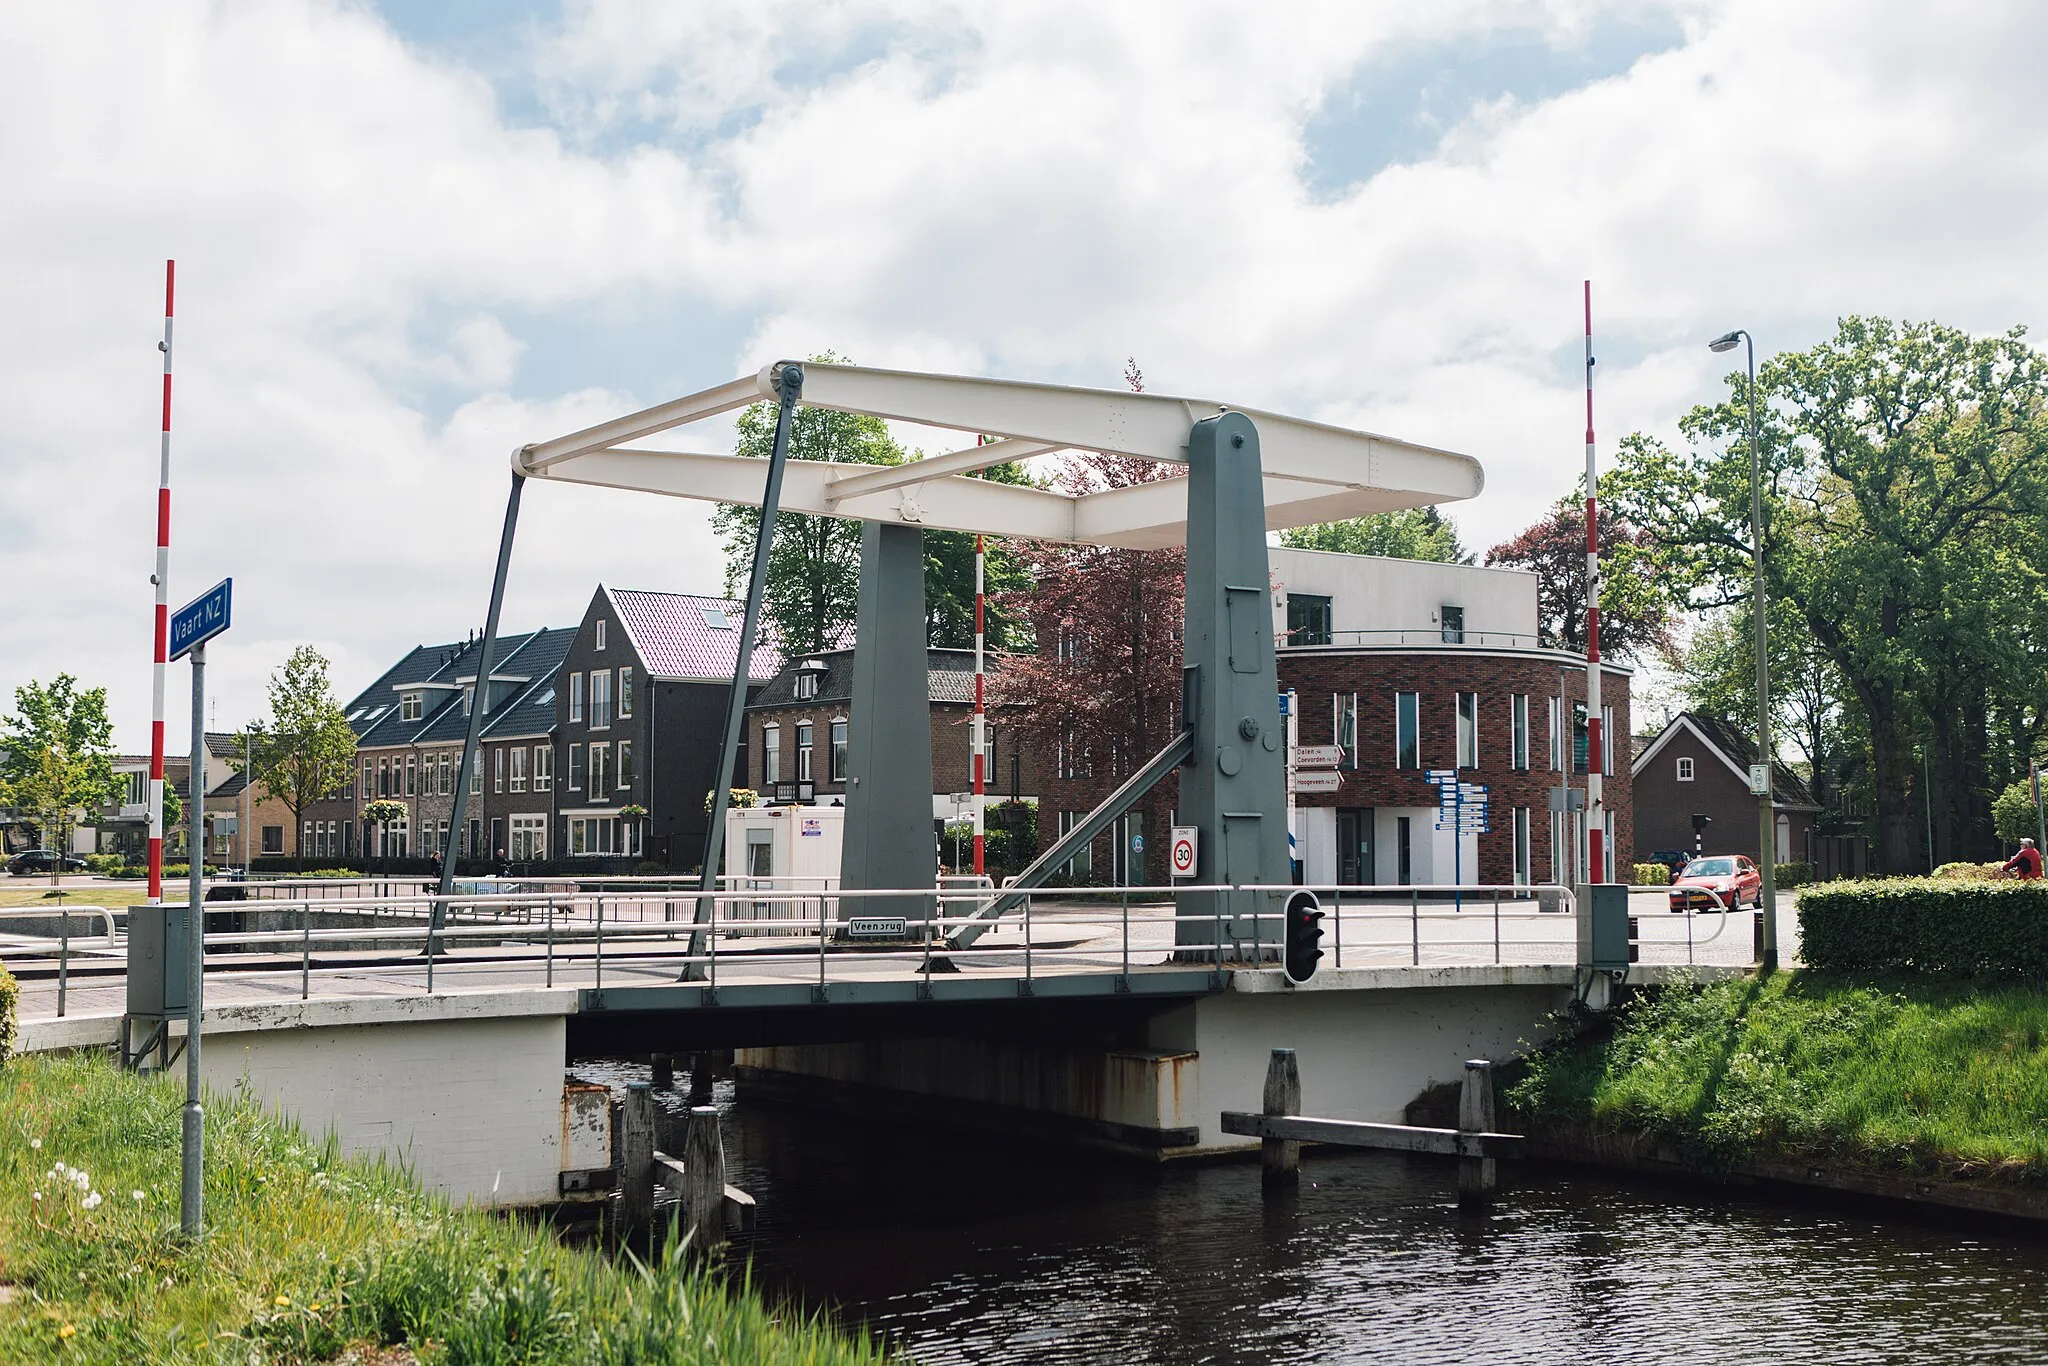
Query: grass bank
{"points": [[308, 1256], [1889, 1076]]}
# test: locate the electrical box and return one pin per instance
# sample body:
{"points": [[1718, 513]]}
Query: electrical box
{"points": [[156, 961], [1607, 932]]}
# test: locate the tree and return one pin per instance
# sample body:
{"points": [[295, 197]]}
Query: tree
{"points": [[1903, 523], [2014, 813], [306, 751], [57, 756], [1717, 674], [1103, 687], [1635, 609], [1410, 534]]}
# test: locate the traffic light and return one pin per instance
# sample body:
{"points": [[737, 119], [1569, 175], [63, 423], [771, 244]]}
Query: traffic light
{"points": [[1304, 930]]}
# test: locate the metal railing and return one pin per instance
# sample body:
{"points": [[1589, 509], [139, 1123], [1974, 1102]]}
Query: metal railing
{"points": [[564, 939], [1424, 635]]}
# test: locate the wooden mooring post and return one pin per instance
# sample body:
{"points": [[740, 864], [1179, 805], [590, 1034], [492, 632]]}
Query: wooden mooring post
{"points": [[710, 1206], [1281, 1131], [636, 1154], [664, 1070]]}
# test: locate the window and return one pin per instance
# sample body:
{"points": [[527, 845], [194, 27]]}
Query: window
{"points": [[1579, 737], [600, 771], [498, 770], [348, 787], [1345, 728], [476, 771], [575, 768], [468, 697], [1685, 769], [715, 618], [575, 697], [518, 774], [806, 685], [771, 755], [529, 839], [838, 735], [1556, 705], [543, 768], [348, 839], [600, 633], [1518, 732], [1523, 874], [1079, 866], [1308, 620], [1075, 758], [1607, 741], [1453, 619], [368, 786], [625, 764], [306, 844], [600, 700], [383, 776], [625, 692], [410, 705], [412, 764], [803, 752], [444, 769], [273, 839], [1407, 732], [1468, 730]]}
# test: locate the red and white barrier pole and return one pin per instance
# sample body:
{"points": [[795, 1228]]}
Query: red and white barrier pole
{"points": [[162, 579], [1596, 809], [980, 731]]}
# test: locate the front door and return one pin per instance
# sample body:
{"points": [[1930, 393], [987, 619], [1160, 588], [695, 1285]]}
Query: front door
{"points": [[1354, 846], [1404, 851]]}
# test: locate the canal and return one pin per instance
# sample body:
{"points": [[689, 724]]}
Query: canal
{"points": [[960, 1247]]}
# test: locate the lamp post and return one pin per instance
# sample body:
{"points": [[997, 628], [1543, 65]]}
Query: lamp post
{"points": [[1761, 784]]}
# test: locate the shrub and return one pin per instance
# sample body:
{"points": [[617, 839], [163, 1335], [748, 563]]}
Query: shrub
{"points": [[106, 865], [1652, 875], [10, 993], [1936, 926], [1793, 874], [1967, 872]]}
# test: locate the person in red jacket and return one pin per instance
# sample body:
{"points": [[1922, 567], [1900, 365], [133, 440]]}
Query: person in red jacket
{"points": [[2025, 864]]}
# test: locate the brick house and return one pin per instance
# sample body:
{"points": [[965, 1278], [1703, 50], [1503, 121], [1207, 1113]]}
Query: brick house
{"points": [[1699, 765], [797, 731], [639, 720], [241, 824], [1409, 666]]}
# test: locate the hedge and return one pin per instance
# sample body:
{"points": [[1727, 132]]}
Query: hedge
{"points": [[10, 994], [1921, 925], [1652, 875], [1789, 875]]}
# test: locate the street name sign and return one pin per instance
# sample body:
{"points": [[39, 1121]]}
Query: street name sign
{"points": [[1318, 756], [877, 927], [199, 621]]}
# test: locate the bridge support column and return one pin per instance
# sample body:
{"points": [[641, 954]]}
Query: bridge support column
{"points": [[1233, 788], [888, 841]]}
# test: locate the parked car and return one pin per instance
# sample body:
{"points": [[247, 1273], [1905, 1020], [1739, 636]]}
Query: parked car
{"points": [[1674, 861], [1736, 879], [35, 861]]}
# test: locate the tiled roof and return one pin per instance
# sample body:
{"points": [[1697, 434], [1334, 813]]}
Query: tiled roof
{"points": [[529, 657], [674, 639], [949, 678], [1787, 787]]}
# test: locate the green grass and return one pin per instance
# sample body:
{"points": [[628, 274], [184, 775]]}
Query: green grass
{"points": [[306, 1253], [1892, 1075], [34, 894]]}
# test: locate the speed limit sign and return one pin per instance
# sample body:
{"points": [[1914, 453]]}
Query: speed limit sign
{"points": [[1185, 840]]}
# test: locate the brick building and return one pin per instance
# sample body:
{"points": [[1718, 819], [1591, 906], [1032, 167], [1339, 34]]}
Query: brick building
{"points": [[1699, 765], [1409, 666]]}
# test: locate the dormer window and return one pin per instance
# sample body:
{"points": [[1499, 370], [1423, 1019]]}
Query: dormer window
{"points": [[600, 633], [806, 685], [411, 705]]}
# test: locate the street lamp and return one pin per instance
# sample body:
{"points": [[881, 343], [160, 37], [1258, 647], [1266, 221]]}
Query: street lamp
{"points": [[1766, 824]]}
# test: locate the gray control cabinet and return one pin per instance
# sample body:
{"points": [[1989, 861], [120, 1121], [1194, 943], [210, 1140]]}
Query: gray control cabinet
{"points": [[156, 961], [1607, 933]]}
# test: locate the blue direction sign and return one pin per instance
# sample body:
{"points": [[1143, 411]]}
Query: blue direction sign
{"points": [[199, 621]]}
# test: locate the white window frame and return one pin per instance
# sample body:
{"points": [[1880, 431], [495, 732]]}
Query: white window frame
{"points": [[575, 697], [1685, 770], [836, 747], [575, 765], [1344, 728], [1414, 702], [806, 746], [498, 769], [599, 773], [1557, 736], [1607, 741], [411, 705], [543, 768], [622, 776], [1468, 729], [806, 686], [518, 775], [601, 699], [625, 691], [600, 634], [1518, 732], [1523, 854], [771, 755]]}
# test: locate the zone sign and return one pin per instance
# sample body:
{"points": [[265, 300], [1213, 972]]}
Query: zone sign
{"points": [[1186, 842]]}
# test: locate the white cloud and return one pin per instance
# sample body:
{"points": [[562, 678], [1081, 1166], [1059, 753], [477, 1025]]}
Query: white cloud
{"points": [[375, 260]]}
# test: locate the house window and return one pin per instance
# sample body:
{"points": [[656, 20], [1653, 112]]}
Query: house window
{"points": [[1079, 866], [575, 697], [1468, 730], [1407, 730], [600, 700], [468, 697], [412, 764], [715, 618], [410, 705], [273, 839], [1607, 741], [806, 685], [1556, 705], [1518, 732], [529, 839], [518, 768], [543, 768], [1308, 619], [369, 786], [498, 770], [383, 776], [1579, 737], [575, 768], [625, 764], [476, 771], [1453, 619], [1345, 728], [838, 736], [1685, 769], [803, 752], [625, 692], [600, 633], [446, 768], [771, 755], [307, 842], [600, 771], [1523, 875]]}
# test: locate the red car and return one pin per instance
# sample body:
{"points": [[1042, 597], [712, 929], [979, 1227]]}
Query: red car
{"points": [[1733, 876]]}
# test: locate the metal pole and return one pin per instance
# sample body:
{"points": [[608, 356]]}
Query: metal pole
{"points": [[1767, 833], [63, 956], [979, 736], [162, 579], [305, 950], [192, 1157], [2040, 821], [248, 761], [789, 386], [480, 701], [1596, 810]]}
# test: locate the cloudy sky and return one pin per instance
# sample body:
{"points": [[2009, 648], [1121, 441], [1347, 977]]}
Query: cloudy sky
{"points": [[411, 236]]}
